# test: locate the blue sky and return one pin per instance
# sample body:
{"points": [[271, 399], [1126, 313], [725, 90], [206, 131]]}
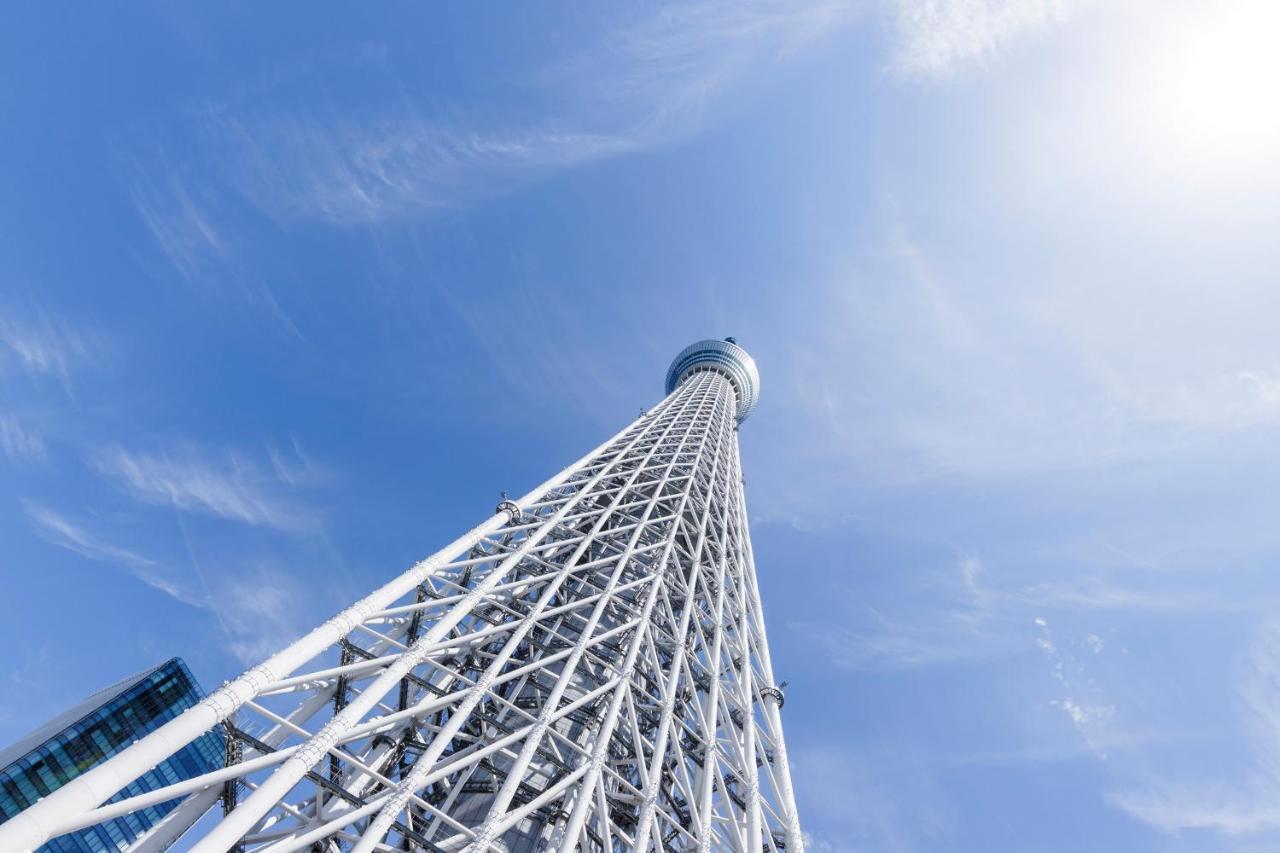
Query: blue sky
{"points": [[288, 300]]}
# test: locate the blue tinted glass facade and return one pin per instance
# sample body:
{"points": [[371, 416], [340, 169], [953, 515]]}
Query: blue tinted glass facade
{"points": [[139, 706]]}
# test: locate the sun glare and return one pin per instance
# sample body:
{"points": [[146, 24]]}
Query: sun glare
{"points": [[1210, 92]]}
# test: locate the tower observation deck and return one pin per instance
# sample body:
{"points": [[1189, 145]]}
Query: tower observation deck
{"points": [[586, 669]]}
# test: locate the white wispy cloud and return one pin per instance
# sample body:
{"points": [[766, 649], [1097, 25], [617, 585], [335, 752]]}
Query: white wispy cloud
{"points": [[1095, 593], [260, 610], [1252, 804], [294, 465], [61, 531], [960, 380], [229, 485], [662, 72], [959, 620], [187, 217], [1079, 699], [890, 647], [534, 340], [985, 623], [180, 223], [958, 615], [1107, 741], [18, 442], [44, 344], [881, 781], [330, 167], [938, 37], [819, 845], [645, 82], [35, 661], [1260, 397]]}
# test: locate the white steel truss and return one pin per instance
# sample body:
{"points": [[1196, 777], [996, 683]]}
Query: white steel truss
{"points": [[586, 670]]}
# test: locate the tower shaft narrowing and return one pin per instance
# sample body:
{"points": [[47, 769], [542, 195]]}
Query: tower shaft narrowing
{"points": [[586, 670]]}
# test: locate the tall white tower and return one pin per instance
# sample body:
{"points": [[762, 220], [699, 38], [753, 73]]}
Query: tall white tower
{"points": [[585, 670]]}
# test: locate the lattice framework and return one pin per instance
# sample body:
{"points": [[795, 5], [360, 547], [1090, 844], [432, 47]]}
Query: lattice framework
{"points": [[588, 669]]}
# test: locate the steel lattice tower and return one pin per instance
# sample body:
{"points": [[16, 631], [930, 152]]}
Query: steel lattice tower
{"points": [[586, 670]]}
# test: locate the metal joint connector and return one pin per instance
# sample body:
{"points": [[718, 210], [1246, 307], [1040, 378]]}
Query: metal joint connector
{"points": [[511, 509]]}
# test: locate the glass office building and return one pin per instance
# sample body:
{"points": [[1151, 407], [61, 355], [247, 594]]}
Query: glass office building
{"points": [[97, 728]]}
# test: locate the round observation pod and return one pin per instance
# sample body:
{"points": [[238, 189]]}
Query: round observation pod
{"points": [[726, 358]]}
